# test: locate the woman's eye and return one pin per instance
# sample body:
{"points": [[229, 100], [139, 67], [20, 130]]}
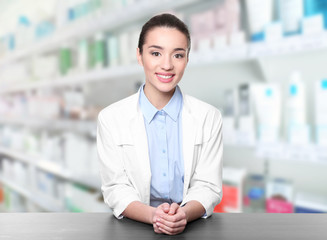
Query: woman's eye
{"points": [[179, 55], [156, 54]]}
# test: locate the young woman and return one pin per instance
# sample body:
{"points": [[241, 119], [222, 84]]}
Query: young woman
{"points": [[161, 150]]}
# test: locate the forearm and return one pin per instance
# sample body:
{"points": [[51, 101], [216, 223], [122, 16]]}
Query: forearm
{"points": [[193, 210], [139, 212]]}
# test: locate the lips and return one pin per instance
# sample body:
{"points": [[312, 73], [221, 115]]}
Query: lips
{"points": [[165, 77]]}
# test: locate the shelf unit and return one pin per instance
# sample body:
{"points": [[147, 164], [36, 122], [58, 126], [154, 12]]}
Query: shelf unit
{"points": [[81, 126], [106, 74], [247, 52], [45, 203], [84, 28], [250, 52], [53, 168], [285, 152], [105, 22]]}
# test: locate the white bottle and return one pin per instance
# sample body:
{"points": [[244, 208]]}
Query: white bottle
{"points": [[296, 122], [259, 14], [296, 101], [290, 13], [321, 112]]}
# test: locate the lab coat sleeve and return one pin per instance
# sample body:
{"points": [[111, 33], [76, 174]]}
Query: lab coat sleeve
{"points": [[206, 182], [117, 190]]}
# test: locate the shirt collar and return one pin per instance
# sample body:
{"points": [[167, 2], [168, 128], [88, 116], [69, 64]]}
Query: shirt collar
{"points": [[172, 108]]}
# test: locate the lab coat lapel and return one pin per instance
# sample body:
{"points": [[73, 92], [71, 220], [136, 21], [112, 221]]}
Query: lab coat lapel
{"points": [[142, 154], [189, 130]]}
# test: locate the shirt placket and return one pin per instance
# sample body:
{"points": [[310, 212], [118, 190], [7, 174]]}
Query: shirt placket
{"points": [[164, 154]]}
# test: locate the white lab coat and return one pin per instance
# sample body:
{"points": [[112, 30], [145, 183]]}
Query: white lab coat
{"points": [[124, 159]]}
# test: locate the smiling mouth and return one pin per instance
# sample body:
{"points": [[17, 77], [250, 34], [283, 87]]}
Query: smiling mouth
{"points": [[165, 76]]}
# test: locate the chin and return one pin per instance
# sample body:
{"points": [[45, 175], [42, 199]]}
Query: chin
{"points": [[167, 87]]}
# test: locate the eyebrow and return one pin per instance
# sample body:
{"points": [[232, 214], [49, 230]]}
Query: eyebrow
{"points": [[161, 48]]}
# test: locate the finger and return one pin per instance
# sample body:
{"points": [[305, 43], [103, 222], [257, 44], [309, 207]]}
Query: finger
{"points": [[165, 207], [174, 218], [173, 208], [181, 223], [171, 231], [156, 228]]}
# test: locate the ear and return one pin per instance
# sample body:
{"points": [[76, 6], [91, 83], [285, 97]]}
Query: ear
{"points": [[139, 57]]}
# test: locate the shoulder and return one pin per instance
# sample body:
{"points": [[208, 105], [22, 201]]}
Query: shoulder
{"points": [[200, 109], [207, 119], [121, 110]]}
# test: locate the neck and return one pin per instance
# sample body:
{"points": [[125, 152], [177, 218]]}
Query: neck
{"points": [[158, 99]]}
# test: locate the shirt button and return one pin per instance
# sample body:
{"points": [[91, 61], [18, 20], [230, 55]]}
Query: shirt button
{"points": [[164, 174], [164, 150]]}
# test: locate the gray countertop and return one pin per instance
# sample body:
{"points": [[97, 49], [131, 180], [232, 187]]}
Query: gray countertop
{"points": [[104, 226]]}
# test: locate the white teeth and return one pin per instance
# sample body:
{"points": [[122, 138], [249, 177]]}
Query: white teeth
{"points": [[164, 76]]}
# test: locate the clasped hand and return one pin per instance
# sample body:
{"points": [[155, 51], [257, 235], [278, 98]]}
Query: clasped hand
{"points": [[169, 219]]}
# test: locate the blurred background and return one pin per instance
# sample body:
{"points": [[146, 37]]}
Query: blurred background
{"points": [[261, 62]]}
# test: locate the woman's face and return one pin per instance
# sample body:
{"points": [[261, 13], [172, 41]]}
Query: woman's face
{"points": [[164, 59]]}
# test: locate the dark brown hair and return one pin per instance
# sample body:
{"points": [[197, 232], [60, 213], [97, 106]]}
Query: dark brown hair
{"points": [[164, 20]]}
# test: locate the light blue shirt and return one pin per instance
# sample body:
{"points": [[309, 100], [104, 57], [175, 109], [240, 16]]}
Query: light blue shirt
{"points": [[164, 133]]}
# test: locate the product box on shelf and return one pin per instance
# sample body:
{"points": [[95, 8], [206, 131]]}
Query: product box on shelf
{"points": [[2, 196], [279, 196], [233, 181], [14, 202], [229, 114], [254, 193], [259, 14], [290, 14], [313, 7], [81, 199], [246, 127], [310, 203]]}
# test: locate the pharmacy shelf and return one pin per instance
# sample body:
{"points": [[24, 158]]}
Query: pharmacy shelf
{"points": [[296, 44], [2, 208], [309, 154], [53, 168], [81, 126], [45, 203], [84, 179], [109, 74], [15, 154], [86, 28], [247, 52]]}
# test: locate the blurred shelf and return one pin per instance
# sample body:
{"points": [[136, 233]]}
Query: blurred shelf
{"points": [[71, 80], [3, 208], [15, 154], [296, 44], [84, 179], [311, 154], [45, 203], [53, 168], [289, 45], [248, 52], [106, 22], [81, 126]]}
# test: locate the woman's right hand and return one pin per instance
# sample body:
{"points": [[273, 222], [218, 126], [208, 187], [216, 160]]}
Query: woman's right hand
{"points": [[159, 211]]}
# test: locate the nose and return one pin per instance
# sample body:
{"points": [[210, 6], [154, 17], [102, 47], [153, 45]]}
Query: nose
{"points": [[166, 63]]}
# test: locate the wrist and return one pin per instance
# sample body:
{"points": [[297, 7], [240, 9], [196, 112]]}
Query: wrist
{"points": [[151, 215], [185, 210]]}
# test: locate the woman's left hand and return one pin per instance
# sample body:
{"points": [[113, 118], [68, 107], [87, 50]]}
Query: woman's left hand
{"points": [[174, 222]]}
